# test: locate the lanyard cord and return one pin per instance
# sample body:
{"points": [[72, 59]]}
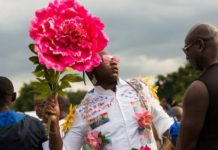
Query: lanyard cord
{"points": [[138, 94]]}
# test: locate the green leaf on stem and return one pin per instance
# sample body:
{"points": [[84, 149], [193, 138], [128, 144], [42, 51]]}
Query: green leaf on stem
{"points": [[47, 76], [31, 47], [34, 59], [61, 93], [39, 67], [41, 86], [57, 75], [51, 73], [38, 73], [64, 84], [42, 89], [43, 95], [72, 78]]}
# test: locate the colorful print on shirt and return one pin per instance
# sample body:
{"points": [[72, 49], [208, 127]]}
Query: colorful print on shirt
{"points": [[99, 120], [96, 106]]}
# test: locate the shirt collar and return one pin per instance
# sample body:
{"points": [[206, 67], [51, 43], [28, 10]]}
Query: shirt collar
{"points": [[99, 89]]}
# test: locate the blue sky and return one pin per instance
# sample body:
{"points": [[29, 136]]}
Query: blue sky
{"points": [[147, 35]]}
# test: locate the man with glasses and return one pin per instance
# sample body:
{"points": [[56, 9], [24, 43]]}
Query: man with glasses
{"points": [[199, 125], [112, 108]]}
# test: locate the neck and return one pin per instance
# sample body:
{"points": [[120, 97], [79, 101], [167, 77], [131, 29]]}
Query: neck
{"points": [[3, 109], [211, 63], [106, 86]]}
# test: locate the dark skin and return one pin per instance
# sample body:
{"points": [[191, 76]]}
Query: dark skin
{"points": [[38, 106], [201, 54], [106, 74], [9, 105]]}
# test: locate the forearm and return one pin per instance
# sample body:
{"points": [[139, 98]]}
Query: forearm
{"points": [[55, 140]]}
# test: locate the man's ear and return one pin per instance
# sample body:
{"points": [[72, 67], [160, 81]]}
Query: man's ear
{"points": [[14, 95], [202, 45]]}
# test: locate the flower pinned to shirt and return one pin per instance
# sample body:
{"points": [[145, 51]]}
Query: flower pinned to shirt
{"points": [[69, 119], [145, 148], [144, 119], [142, 148], [96, 140], [66, 35]]}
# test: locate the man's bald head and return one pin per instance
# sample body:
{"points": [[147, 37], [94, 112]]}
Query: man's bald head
{"points": [[202, 31], [201, 46]]}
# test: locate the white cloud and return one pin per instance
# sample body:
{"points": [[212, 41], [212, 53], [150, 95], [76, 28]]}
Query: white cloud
{"points": [[132, 66], [19, 79]]}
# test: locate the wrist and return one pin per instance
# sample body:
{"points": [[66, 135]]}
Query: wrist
{"points": [[55, 126]]}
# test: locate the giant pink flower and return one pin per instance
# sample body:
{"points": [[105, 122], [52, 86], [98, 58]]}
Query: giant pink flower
{"points": [[93, 140], [144, 119], [66, 35]]}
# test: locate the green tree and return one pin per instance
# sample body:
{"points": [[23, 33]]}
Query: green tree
{"points": [[76, 97], [25, 100], [174, 84]]}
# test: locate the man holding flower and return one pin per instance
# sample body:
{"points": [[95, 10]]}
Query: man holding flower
{"points": [[115, 114]]}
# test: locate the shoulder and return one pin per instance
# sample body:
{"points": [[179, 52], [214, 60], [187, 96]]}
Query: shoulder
{"points": [[197, 89], [196, 95], [137, 83], [33, 122], [32, 119]]}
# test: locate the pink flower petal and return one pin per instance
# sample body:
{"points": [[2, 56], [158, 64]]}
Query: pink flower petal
{"points": [[67, 35]]}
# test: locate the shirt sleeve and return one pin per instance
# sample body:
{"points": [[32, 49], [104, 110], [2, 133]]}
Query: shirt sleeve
{"points": [[75, 136], [161, 120]]}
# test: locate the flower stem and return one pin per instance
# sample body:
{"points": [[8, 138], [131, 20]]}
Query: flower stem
{"points": [[53, 89], [48, 125]]}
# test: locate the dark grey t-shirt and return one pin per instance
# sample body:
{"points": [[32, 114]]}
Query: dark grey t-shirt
{"points": [[28, 134]]}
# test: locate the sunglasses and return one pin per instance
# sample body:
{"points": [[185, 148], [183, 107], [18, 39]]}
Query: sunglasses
{"points": [[106, 59], [186, 48]]}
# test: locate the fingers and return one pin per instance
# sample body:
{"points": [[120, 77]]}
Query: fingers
{"points": [[50, 110], [56, 98], [50, 107]]}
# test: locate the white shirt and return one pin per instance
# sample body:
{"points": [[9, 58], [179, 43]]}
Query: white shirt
{"points": [[122, 127]]}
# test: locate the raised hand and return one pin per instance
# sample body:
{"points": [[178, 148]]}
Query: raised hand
{"points": [[52, 108]]}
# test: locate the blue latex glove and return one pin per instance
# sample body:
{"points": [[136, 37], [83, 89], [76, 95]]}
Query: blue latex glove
{"points": [[174, 131]]}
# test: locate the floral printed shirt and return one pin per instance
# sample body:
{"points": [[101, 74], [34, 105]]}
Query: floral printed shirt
{"points": [[112, 113]]}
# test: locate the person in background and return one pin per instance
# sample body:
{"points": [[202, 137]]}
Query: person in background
{"points": [[198, 129], [17, 131], [39, 106], [168, 100], [177, 112]]}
